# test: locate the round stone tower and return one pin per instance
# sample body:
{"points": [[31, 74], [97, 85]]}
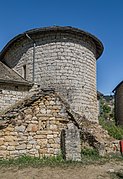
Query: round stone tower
{"points": [[63, 58]]}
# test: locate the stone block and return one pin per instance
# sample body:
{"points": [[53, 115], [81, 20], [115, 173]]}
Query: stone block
{"points": [[10, 138], [1, 141], [71, 144], [21, 147], [7, 133], [40, 136], [50, 150], [55, 146], [42, 143], [43, 111], [4, 153], [43, 151], [3, 147], [10, 148], [28, 117], [53, 127], [52, 102], [37, 147], [28, 111], [34, 118], [37, 155], [32, 128], [13, 143], [29, 146], [21, 152], [49, 136], [10, 128], [51, 141], [14, 152], [36, 110], [32, 141], [20, 128]]}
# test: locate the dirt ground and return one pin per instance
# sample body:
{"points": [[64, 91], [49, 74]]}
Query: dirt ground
{"points": [[77, 172]]}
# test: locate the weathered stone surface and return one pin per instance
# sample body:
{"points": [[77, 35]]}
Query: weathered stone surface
{"points": [[65, 62], [39, 135], [11, 148], [29, 146], [32, 141], [50, 136], [51, 141], [10, 95], [72, 143], [10, 138], [1, 141], [32, 127], [20, 128], [21, 147], [28, 117]]}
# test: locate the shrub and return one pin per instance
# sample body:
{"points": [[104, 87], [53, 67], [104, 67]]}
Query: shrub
{"points": [[90, 153], [113, 130]]}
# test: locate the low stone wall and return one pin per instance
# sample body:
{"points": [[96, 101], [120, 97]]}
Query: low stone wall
{"points": [[34, 128], [94, 136]]}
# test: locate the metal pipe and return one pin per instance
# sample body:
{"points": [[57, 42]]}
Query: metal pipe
{"points": [[33, 64], [33, 78]]}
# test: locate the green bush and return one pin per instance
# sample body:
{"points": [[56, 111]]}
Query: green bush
{"points": [[89, 153], [113, 130]]}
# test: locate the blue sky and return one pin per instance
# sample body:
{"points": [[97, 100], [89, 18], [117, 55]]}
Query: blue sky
{"points": [[102, 18]]}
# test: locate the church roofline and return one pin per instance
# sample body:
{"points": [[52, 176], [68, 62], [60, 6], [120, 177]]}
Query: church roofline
{"points": [[67, 29]]}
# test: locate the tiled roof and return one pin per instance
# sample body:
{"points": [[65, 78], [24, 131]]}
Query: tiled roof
{"points": [[66, 29], [8, 75]]}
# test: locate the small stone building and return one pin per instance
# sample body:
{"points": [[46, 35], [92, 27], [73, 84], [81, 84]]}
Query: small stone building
{"points": [[61, 58], [12, 87], [118, 100]]}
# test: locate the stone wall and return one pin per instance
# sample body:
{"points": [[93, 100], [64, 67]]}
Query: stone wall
{"points": [[10, 94], [64, 61], [34, 128]]}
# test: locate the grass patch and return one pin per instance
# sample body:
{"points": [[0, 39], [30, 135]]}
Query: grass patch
{"points": [[24, 161], [113, 130], [90, 153], [28, 161], [89, 156]]}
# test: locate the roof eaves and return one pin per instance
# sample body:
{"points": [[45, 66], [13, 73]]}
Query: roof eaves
{"points": [[16, 82], [97, 42], [117, 86]]}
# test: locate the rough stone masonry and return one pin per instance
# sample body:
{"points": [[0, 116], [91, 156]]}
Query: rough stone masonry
{"points": [[53, 58], [33, 127], [63, 58]]}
